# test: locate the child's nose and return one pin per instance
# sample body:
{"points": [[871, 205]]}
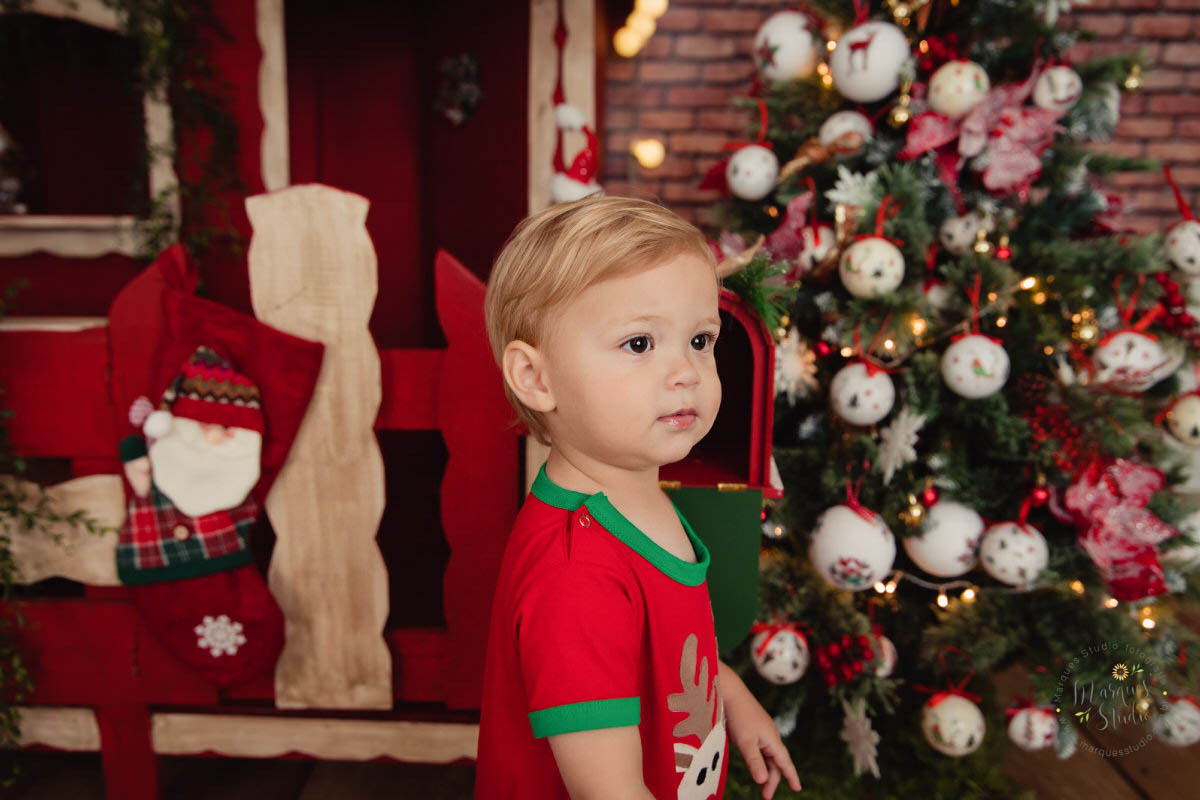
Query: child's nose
{"points": [[684, 372]]}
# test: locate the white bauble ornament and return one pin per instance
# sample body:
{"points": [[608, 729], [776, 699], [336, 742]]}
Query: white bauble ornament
{"points": [[1185, 555], [946, 545], [861, 395], [866, 63], [1033, 728], [975, 366], [957, 87], [784, 659], [785, 47], [851, 551], [957, 234], [952, 724], [871, 267], [1132, 361], [815, 243], [1014, 554], [751, 172], [1057, 89], [887, 657], [1179, 725], [1183, 246], [841, 123], [1183, 420]]}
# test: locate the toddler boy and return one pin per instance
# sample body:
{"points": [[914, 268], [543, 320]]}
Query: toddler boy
{"points": [[602, 677]]}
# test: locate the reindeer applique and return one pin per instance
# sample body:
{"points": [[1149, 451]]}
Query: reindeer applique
{"points": [[860, 46], [701, 766]]}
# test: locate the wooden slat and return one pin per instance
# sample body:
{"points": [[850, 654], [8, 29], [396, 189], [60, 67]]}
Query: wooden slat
{"points": [[313, 274], [61, 728], [337, 739], [272, 94], [71, 551]]}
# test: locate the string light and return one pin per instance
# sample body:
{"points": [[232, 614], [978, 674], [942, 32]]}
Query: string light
{"points": [[627, 43], [1001, 322], [651, 8], [641, 24], [992, 297], [1111, 602], [888, 344], [891, 586], [1077, 586], [918, 326], [1048, 350], [831, 45], [879, 587], [968, 595], [1148, 623], [1028, 283], [1039, 298], [847, 352], [942, 600], [648, 152]]}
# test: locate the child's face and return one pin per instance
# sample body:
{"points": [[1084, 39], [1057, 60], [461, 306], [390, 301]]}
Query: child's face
{"points": [[629, 353]]}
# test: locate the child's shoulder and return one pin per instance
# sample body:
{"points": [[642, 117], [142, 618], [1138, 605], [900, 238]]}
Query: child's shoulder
{"points": [[545, 536]]}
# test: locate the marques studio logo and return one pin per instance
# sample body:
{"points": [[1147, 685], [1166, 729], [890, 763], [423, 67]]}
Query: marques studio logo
{"points": [[1110, 687]]}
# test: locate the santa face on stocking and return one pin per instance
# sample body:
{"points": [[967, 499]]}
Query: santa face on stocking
{"points": [[205, 467]]}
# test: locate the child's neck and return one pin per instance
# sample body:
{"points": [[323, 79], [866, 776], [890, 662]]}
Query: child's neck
{"points": [[579, 473]]}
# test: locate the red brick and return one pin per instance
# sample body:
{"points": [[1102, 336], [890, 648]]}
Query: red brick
{"points": [[1127, 179], [1189, 128], [689, 213], [1079, 52], [670, 168], [679, 18], [1174, 104], [1158, 79], [733, 20], [735, 71], [1127, 149], [669, 72], [724, 119], [1137, 3], [1182, 5], [1133, 104], [1105, 25], [1150, 200], [631, 96], [618, 119], [697, 142], [620, 69], [1184, 176], [1124, 48], [1162, 26], [647, 190], [1192, 81], [674, 191], [1142, 224], [659, 46], [692, 46], [617, 142], [1145, 127], [666, 120], [1183, 54], [1172, 152], [693, 96]]}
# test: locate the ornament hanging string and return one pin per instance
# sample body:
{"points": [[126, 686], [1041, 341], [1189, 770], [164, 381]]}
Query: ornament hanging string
{"points": [[1127, 310], [1018, 704], [862, 10], [852, 490], [773, 629], [952, 688], [882, 215], [560, 41], [810, 220], [1184, 209], [931, 278], [865, 357], [762, 131]]}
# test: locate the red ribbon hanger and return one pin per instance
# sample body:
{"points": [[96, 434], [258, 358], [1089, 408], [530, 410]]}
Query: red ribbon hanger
{"points": [[762, 131], [951, 688], [1127, 310], [883, 214], [773, 629], [1184, 209]]}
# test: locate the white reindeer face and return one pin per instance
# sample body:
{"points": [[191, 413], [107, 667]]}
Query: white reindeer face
{"points": [[702, 776], [702, 766]]}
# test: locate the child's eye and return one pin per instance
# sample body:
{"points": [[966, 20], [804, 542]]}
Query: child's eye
{"points": [[703, 341], [638, 345]]}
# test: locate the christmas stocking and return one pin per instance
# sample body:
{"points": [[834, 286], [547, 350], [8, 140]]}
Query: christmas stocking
{"points": [[184, 546]]}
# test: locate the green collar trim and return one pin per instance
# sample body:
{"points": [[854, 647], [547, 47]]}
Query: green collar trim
{"points": [[686, 572]]}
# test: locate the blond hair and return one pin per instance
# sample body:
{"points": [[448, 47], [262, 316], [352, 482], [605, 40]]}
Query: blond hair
{"points": [[553, 256]]}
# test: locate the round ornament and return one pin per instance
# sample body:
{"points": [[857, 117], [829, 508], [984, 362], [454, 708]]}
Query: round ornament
{"points": [[1183, 420], [1179, 725], [871, 266], [957, 234], [815, 243], [975, 366], [1185, 557], [1183, 246], [841, 123], [785, 47], [751, 172], [851, 550], [781, 656], [1033, 728], [952, 724], [1131, 360], [866, 63], [1013, 553], [946, 545], [957, 87], [862, 394], [1057, 89], [887, 657]]}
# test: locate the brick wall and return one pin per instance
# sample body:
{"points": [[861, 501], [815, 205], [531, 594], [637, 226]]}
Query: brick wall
{"points": [[680, 86]]}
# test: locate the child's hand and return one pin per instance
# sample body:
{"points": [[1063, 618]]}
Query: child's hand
{"points": [[754, 734]]}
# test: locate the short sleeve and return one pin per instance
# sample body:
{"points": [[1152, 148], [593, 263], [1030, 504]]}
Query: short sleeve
{"points": [[578, 637]]}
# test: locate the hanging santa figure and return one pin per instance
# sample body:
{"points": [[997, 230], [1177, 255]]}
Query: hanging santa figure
{"points": [[184, 546], [579, 180]]}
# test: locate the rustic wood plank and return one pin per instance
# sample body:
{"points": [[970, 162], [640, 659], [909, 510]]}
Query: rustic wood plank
{"points": [[272, 94], [335, 739], [73, 729], [191, 778], [313, 274], [72, 551]]}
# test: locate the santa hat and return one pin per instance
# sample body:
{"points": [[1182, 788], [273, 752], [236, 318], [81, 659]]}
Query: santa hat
{"points": [[208, 389], [578, 180]]}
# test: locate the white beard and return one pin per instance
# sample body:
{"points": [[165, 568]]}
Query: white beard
{"points": [[200, 477]]}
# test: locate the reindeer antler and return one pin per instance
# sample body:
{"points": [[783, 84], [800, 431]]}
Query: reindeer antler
{"points": [[695, 700]]}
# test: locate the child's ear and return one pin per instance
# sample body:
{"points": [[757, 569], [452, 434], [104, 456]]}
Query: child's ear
{"points": [[525, 373]]}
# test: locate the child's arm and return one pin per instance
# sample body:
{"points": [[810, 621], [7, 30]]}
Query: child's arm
{"points": [[603, 764], [754, 733]]}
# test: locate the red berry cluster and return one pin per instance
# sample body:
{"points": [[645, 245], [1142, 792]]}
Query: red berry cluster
{"points": [[1177, 320], [1050, 422], [841, 660]]}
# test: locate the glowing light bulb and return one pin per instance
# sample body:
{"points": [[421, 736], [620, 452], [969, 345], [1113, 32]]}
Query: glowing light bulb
{"points": [[968, 595], [1111, 602], [879, 587], [1028, 283], [1077, 586], [942, 600], [1039, 298], [1048, 350], [1148, 623], [650, 8], [627, 43], [648, 152], [641, 24], [847, 352], [918, 326], [888, 344], [891, 587], [1001, 322]]}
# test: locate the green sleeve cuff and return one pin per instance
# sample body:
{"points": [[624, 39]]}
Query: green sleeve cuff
{"points": [[132, 447], [589, 715]]}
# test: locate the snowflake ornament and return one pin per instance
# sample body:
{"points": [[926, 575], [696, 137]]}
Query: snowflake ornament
{"points": [[898, 441], [859, 737], [852, 188], [795, 368], [220, 636]]}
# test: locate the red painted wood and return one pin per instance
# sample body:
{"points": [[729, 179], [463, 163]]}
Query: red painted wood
{"points": [[474, 417], [130, 766], [410, 386], [55, 385]]}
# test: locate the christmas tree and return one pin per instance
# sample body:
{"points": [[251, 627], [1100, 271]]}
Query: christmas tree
{"points": [[988, 397]]}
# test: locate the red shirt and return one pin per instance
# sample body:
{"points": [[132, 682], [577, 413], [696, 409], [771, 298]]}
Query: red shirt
{"points": [[596, 626]]}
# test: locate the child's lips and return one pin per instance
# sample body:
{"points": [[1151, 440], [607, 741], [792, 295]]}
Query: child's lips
{"points": [[680, 419]]}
